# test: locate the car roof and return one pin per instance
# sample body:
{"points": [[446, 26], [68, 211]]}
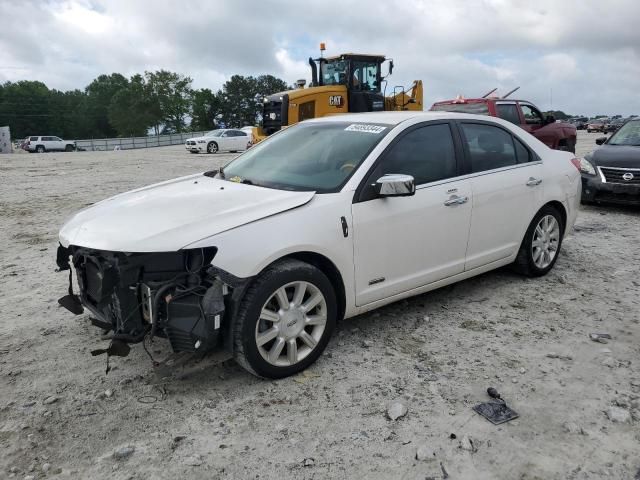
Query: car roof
{"points": [[395, 118]]}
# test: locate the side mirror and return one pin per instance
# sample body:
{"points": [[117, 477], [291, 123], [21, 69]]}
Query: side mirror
{"points": [[550, 119], [600, 140], [390, 67], [395, 185]]}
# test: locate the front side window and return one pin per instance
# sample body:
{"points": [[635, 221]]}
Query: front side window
{"points": [[628, 134], [33, 139], [307, 157], [426, 153], [489, 147], [532, 116], [508, 112], [365, 76]]}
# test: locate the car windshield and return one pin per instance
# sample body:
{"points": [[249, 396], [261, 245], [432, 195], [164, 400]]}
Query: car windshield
{"points": [[307, 157], [479, 108], [214, 133], [628, 134]]}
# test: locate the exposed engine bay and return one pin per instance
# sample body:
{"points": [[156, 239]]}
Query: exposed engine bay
{"points": [[138, 296]]}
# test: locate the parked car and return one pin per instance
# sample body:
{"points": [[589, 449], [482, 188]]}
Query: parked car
{"points": [[556, 135], [580, 122], [613, 125], [327, 219], [230, 140], [41, 144], [611, 173], [596, 125]]}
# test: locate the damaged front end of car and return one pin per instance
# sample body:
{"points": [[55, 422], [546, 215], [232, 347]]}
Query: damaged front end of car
{"points": [[178, 295]]}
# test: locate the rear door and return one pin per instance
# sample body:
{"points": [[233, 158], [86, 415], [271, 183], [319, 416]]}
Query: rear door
{"points": [[506, 182], [404, 243]]}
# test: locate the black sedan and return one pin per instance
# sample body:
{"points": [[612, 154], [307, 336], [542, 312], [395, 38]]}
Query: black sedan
{"points": [[611, 173]]}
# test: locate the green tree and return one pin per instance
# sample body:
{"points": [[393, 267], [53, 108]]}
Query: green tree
{"points": [[96, 106], [132, 111], [24, 106], [241, 98], [206, 106], [172, 92]]}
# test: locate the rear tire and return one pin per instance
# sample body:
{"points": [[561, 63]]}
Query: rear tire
{"points": [[540, 242], [285, 320]]}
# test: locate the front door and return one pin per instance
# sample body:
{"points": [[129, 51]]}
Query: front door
{"points": [[506, 181], [403, 243], [534, 123]]}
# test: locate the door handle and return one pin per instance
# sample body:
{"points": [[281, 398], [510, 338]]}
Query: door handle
{"points": [[456, 200], [532, 182]]}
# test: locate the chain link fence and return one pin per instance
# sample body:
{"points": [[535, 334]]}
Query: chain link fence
{"points": [[128, 143]]}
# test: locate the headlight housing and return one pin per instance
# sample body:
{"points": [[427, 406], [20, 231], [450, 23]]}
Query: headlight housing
{"points": [[586, 167], [202, 141]]}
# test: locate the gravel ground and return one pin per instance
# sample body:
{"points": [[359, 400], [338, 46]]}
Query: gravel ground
{"points": [[578, 400]]}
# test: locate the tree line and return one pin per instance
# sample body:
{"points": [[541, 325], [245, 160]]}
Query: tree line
{"points": [[116, 106]]}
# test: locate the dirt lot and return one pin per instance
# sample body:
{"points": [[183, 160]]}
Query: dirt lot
{"points": [[578, 400]]}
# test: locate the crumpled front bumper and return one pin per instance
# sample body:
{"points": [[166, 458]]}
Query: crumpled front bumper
{"points": [[174, 295]]}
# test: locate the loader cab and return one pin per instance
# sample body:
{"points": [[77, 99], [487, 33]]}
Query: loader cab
{"points": [[361, 74]]}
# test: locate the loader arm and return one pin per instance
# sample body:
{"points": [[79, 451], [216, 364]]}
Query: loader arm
{"points": [[409, 99]]}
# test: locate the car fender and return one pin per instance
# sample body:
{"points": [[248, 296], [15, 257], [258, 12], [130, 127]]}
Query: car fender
{"points": [[315, 227]]}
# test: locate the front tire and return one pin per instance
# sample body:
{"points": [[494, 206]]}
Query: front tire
{"points": [[68, 148], [541, 244], [285, 320], [40, 149], [212, 147]]}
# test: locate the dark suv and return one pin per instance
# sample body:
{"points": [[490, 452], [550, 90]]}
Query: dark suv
{"points": [[560, 136]]}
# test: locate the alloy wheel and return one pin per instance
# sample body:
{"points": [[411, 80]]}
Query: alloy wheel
{"points": [[291, 323], [546, 239]]}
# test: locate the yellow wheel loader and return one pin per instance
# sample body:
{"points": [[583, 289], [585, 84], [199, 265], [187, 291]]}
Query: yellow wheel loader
{"points": [[345, 83]]}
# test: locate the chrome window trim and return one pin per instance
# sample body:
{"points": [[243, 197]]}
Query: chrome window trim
{"points": [[476, 174]]}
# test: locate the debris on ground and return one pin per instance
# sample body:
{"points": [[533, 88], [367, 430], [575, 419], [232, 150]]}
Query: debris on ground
{"points": [[618, 415], [495, 411], [600, 337], [123, 453], [396, 410], [425, 454]]}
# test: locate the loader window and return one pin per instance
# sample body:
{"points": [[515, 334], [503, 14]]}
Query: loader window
{"points": [[334, 73], [365, 76]]}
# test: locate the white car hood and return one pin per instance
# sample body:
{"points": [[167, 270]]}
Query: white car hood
{"points": [[170, 215], [195, 139]]}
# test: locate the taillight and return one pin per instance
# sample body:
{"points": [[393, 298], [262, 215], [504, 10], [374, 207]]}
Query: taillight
{"points": [[576, 163]]}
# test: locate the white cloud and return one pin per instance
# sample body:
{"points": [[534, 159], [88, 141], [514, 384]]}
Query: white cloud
{"points": [[587, 52]]}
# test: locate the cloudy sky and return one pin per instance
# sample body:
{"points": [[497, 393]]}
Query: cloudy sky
{"points": [[580, 56]]}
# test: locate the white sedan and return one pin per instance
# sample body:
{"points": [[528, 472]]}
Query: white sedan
{"points": [[221, 140], [324, 220]]}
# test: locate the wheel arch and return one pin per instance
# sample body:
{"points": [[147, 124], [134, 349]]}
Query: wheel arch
{"points": [[561, 209], [326, 266]]}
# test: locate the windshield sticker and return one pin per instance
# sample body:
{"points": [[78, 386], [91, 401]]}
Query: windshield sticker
{"points": [[365, 128]]}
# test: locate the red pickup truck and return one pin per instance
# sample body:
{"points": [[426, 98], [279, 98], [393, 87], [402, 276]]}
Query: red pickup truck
{"points": [[560, 136]]}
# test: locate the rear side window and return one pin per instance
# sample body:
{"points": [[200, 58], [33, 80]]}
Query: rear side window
{"points": [[489, 147], [508, 112], [476, 108], [426, 153], [523, 154]]}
